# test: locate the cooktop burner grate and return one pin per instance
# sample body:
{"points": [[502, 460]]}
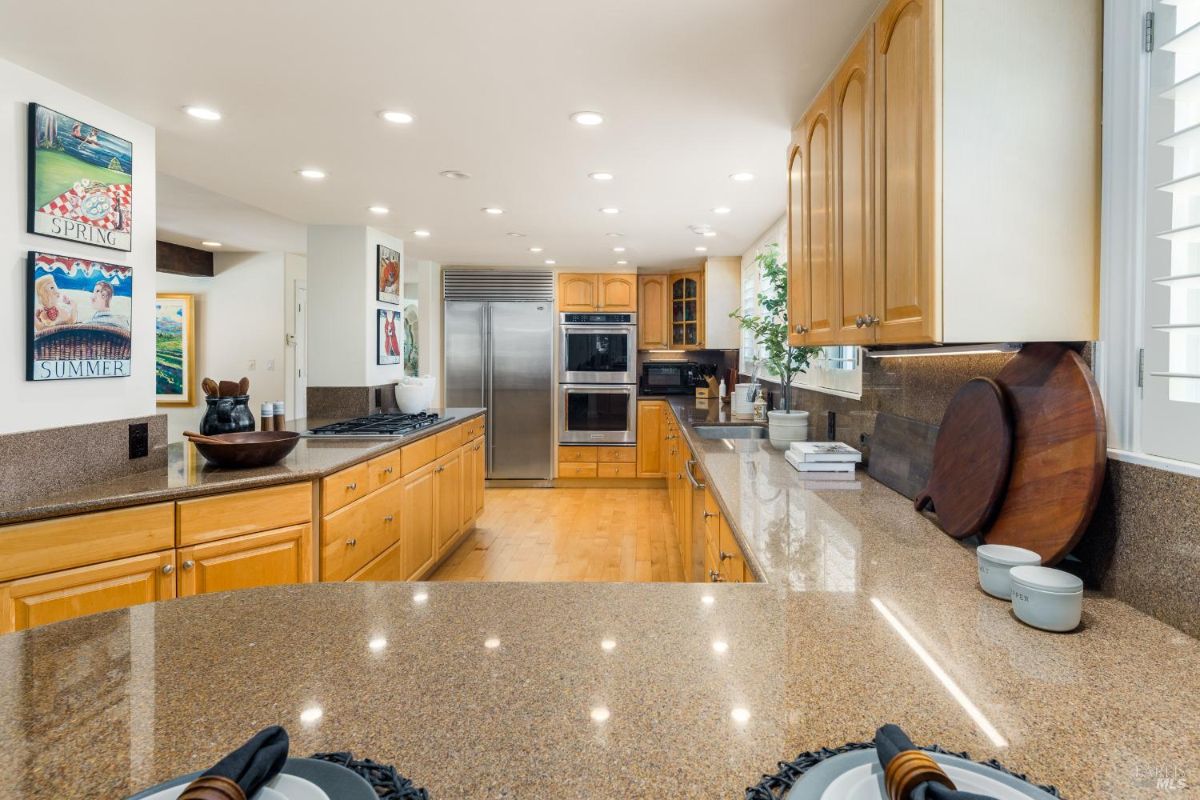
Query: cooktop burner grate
{"points": [[380, 425]]}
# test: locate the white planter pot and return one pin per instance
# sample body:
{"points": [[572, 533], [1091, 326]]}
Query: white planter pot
{"points": [[785, 427]]}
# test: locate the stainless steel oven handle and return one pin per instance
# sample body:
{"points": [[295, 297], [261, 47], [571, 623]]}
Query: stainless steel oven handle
{"points": [[597, 390], [687, 467]]}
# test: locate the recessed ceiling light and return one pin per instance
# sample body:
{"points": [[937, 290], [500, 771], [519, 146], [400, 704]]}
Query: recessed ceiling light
{"points": [[200, 112], [378, 210], [600, 176], [709, 234], [587, 117], [535, 249], [311, 173], [515, 235], [618, 249], [550, 262], [701, 249], [610, 211], [742, 177], [211, 244], [421, 233], [622, 262], [397, 117], [454, 174], [722, 210], [614, 235], [493, 210]]}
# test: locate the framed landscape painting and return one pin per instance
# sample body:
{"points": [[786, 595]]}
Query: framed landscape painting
{"points": [[78, 316], [388, 275], [174, 349], [388, 337], [80, 181]]}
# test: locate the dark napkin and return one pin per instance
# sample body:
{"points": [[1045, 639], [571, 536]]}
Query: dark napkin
{"points": [[891, 741], [256, 762]]}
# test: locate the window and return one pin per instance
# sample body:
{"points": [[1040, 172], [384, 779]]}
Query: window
{"points": [[1170, 412]]}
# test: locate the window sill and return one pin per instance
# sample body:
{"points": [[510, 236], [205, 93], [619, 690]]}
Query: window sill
{"points": [[1156, 462]]}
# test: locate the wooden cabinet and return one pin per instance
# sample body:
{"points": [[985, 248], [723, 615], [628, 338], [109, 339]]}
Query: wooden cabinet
{"points": [[480, 478], [257, 559], [448, 473], [653, 313], [352, 536], [222, 516], [686, 298], [609, 292], [66, 594], [344, 487], [618, 292], [729, 555], [388, 566], [418, 529], [597, 461], [712, 537], [913, 217], [651, 434]]}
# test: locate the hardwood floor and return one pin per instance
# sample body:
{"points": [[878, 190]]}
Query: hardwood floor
{"points": [[569, 535]]}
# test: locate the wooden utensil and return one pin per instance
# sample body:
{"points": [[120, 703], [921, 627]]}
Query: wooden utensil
{"points": [[228, 388], [901, 455], [244, 386], [210, 387], [1059, 451], [971, 459], [200, 437]]}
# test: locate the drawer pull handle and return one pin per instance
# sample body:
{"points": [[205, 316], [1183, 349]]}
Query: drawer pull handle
{"points": [[387, 471], [350, 487], [189, 564], [351, 542], [710, 514], [440, 469], [726, 556], [167, 569], [388, 518]]}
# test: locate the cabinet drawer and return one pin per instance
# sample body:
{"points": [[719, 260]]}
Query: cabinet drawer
{"points": [[387, 566], [206, 519], [33, 548], [359, 532], [86, 590], [267, 558], [418, 454], [449, 441], [615, 470], [578, 455], [383, 469], [569, 470], [342, 488], [621, 455], [472, 429]]}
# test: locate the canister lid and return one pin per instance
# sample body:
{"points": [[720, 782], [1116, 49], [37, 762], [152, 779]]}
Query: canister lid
{"points": [[1007, 555], [1046, 579]]}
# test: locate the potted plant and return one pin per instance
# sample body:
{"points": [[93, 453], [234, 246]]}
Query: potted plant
{"points": [[770, 330]]}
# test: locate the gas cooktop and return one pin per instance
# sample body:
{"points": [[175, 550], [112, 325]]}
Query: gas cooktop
{"points": [[380, 425]]}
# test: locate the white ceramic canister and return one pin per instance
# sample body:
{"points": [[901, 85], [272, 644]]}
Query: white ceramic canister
{"points": [[785, 427], [742, 404], [1046, 598], [995, 560]]}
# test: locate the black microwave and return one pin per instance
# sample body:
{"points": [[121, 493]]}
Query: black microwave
{"points": [[669, 377]]}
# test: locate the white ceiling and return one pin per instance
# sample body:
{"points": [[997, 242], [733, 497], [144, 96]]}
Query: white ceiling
{"points": [[692, 90]]}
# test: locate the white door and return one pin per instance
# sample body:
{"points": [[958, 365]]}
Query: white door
{"points": [[300, 400]]}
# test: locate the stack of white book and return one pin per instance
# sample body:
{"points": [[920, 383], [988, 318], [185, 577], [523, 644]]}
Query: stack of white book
{"points": [[823, 459]]}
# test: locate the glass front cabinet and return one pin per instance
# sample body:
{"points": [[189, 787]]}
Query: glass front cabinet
{"points": [[687, 311]]}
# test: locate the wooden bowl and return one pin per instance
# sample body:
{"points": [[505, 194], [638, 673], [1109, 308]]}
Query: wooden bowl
{"points": [[249, 449]]}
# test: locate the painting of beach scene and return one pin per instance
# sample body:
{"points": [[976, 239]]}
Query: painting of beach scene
{"points": [[78, 318], [80, 181], [174, 348], [388, 275]]}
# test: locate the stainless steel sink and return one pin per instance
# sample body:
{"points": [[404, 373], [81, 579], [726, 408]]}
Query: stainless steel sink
{"points": [[730, 431]]}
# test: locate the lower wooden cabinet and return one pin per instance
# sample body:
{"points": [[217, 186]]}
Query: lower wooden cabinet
{"points": [[389, 566], [420, 501], [729, 554], [268, 558], [449, 476], [651, 433], [474, 474], [70, 593]]}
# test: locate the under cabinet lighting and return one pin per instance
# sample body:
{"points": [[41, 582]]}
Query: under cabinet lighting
{"points": [[946, 350]]}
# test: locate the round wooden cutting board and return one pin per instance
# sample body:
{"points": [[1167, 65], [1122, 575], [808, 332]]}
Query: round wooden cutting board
{"points": [[1059, 451], [971, 459]]}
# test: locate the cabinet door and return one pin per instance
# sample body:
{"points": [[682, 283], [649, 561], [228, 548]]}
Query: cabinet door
{"points": [[71, 593], [577, 292], [687, 311], [243, 562], [712, 536], [853, 194], [618, 293], [650, 438], [797, 289], [817, 271], [467, 507], [419, 519], [449, 472], [653, 313], [733, 565], [905, 271], [480, 474]]}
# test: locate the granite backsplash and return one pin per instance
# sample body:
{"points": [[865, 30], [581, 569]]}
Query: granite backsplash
{"points": [[1143, 545]]}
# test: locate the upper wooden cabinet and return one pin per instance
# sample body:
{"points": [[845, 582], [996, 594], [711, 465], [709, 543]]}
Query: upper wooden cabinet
{"points": [[653, 313], [686, 304], [583, 292], [941, 189]]}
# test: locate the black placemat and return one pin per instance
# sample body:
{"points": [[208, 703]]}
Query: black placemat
{"points": [[775, 787], [384, 779]]}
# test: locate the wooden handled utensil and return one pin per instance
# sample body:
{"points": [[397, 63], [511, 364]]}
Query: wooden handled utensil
{"points": [[244, 386], [228, 388], [192, 436], [210, 387]]}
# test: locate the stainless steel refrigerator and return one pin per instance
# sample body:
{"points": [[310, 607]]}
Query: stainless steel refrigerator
{"points": [[499, 355]]}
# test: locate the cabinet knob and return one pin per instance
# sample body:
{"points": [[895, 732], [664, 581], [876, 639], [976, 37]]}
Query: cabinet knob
{"points": [[859, 321], [709, 514], [870, 320], [726, 556], [388, 518], [387, 471], [715, 576], [350, 487], [189, 564], [351, 542], [440, 469], [801, 329], [168, 569]]}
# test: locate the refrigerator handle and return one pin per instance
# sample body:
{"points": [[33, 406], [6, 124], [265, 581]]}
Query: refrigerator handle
{"points": [[487, 385]]}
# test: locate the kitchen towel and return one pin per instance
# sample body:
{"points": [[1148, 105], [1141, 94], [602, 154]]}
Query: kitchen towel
{"points": [[890, 742], [243, 772]]}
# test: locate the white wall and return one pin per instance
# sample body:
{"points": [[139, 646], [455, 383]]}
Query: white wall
{"points": [[32, 405], [240, 318], [295, 271]]}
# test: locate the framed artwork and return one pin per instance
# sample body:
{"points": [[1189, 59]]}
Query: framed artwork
{"points": [[388, 347], [387, 274], [412, 350], [78, 317], [80, 181], [174, 349]]}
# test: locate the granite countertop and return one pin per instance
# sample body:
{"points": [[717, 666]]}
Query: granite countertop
{"points": [[187, 474], [869, 615]]}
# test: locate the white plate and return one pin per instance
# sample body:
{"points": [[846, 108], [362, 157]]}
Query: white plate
{"points": [[865, 782], [281, 787]]}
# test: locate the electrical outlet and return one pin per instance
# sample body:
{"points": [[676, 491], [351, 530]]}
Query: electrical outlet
{"points": [[139, 440]]}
